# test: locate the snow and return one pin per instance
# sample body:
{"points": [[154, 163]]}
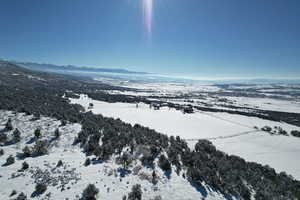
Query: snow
{"points": [[199, 125], [231, 133], [279, 152], [26, 126], [175, 87], [105, 176], [268, 104], [288, 103], [171, 122], [35, 77], [162, 88], [253, 121]]}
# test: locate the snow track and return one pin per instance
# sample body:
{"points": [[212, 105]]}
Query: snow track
{"points": [[225, 137]]}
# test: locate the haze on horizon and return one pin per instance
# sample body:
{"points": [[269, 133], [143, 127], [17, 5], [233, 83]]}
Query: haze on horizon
{"points": [[202, 38]]}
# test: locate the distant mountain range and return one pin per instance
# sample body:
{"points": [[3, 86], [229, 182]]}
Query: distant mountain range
{"points": [[72, 68], [96, 72]]}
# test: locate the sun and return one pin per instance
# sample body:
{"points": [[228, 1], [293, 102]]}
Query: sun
{"points": [[148, 12]]}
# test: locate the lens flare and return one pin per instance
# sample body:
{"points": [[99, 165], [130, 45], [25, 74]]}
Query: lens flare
{"points": [[148, 12]]}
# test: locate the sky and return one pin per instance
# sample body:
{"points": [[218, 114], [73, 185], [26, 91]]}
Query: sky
{"points": [[200, 38]]}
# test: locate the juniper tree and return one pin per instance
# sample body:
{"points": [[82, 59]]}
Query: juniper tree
{"points": [[87, 162], [10, 160], [173, 157], [16, 136], [98, 152], [63, 122], [157, 197], [147, 160], [1, 152], [40, 148], [56, 133], [92, 144], [164, 163], [194, 175], [90, 192], [40, 188], [103, 152], [154, 176], [27, 151], [3, 138], [136, 193], [8, 125], [295, 133], [205, 145], [25, 166], [21, 196], [14, 192], [266, 128], [59, 163], [125, 160], [37, 133]]}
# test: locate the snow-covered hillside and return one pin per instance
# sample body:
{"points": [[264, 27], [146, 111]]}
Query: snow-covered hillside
{"points": [[231, 133], [69, 180]]}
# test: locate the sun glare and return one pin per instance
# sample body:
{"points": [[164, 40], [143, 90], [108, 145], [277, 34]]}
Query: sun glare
{"points": [[148, 12]]}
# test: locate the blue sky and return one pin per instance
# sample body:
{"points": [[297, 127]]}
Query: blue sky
{"points": [[205, 38]]}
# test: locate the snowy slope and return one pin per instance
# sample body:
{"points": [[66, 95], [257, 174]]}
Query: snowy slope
{"points": [[233, 134], [279, 152], [69, 180]]}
